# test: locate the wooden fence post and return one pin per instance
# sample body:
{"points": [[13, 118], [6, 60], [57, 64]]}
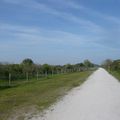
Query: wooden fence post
{"points": [[37, 75], [45, 74], [27, 76], [52, 72], [9, 79]]}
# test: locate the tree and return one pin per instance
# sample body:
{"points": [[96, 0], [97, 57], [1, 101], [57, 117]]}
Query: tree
{"points": [[79, 66], [115, 65], [47, 68], [28, 66], [107, 64], [88, 64], [27, 61]]}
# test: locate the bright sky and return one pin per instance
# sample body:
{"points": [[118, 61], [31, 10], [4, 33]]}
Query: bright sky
{"points": [[59, 31]]}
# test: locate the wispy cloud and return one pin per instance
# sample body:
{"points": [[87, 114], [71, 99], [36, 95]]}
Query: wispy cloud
{"points": [[40, 7], [92, 34], [34, 36], [114, 19], [67, 16], [92, 12], [96, 30]]}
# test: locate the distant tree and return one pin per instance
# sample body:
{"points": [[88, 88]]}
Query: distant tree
{"points": [[88, 64], [68, 66], [115, 65], [28, 66], [58, 68], [47, 68], [79, 66], [27, 61], [107, 64], [38, 68]]}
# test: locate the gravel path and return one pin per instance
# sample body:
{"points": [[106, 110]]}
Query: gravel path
{"points": [[97, 99]]}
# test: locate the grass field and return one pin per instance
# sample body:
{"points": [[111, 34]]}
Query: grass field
{"points": [[37, 94]]}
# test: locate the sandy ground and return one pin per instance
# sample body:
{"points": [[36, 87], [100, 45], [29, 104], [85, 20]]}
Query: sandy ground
{"points": [[97, 99]]}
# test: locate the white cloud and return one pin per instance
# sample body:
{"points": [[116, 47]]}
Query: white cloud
{"points": [[116, 20], [92, 12], [23, 35], [40, 7], [33, 4], [34, 37], [96, 38]]}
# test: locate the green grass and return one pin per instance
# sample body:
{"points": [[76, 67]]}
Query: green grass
{"points": [[37, 94], [116, 74]]}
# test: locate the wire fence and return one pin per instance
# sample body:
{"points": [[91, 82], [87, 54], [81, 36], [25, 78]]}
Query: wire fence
{"points": [[14, 79]]}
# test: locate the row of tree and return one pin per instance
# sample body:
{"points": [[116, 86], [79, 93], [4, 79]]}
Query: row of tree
{"points": [[27, 66]]}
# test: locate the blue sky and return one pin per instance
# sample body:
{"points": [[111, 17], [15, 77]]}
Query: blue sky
{"points": [[59, 31]]}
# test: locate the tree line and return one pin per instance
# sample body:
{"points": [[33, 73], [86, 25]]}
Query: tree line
{"points": [[28, 68], [112, 65]]}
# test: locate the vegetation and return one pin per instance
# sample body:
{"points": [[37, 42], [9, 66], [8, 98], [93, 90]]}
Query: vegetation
{"points": [[113, 67], [88, 64], [37, 94], [13, 73], [27, 86]]}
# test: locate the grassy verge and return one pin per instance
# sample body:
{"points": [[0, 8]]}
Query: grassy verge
{"points": [[116, 74], [37, 95]]}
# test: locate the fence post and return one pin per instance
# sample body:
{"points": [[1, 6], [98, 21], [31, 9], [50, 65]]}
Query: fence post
{"points": [[37, 75], [57, 71], [9, 79], [46, 74], [52, 72], [60, 71], [27, 76]]}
